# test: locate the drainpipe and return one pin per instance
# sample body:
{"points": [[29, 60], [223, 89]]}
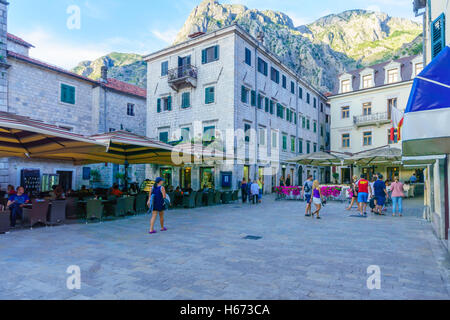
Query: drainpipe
{"points": [[297, 166], [256, 112]]}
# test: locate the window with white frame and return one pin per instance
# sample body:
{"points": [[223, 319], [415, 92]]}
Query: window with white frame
{"points": [[367, 138], [418, 67], [274, 139], [345, 86], [367, 81], [392, 76], [262, 136]]}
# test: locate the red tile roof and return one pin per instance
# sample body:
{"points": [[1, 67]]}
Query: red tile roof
{"points": [[113, 84], [48, 66], [126, 88], [18, 40]]}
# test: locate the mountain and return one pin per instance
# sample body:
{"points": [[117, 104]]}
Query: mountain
{"points": [[128, 67], [319, 51]]}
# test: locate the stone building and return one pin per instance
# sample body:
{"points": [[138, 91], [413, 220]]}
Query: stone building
{"points": [[227, 86], [39, 90], [361, 111]]}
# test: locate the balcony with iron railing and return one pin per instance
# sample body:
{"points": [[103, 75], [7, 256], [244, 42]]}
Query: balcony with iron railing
{"points": [[184, 76], [371, 119]]}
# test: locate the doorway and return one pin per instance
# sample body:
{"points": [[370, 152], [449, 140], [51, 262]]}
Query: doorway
{"points": [[183, 65], [185, 177], [300, 176], [392, 172], [166, 174], [207, 178], [345, 175], [65, 179], [247, 173]]}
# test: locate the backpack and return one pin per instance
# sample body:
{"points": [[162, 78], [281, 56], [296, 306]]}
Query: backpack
{"points": [[307, 188]]}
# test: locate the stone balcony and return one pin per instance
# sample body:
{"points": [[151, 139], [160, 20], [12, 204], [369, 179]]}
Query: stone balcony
{"points": [[372, 119], [181, 77]]}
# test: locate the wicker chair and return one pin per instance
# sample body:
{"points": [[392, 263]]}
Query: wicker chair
{"points": [[218, 197], [189, 201], [116, 209], [141, 203], [210, 199], [72, 208], [4, 221], [57, 212], [199, 199], [37, 214], [129, 205], [235, 195], [226, 197], [94, 210]]}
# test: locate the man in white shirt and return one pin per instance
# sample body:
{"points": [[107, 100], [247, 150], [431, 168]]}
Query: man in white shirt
{"points": [[254, 191]]}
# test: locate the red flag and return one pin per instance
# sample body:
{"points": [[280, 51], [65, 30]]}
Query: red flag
{"points": [[392, 134]]}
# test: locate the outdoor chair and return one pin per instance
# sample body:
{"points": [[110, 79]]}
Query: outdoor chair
{"points": [[199, 199], [129, 205], [4, 221], [37, 214], [235, 195], [94, 210], [141, 203], [172, 199], [189, 201], [226, 197], [210, 199], [218, 197], [57, 212], [116, 209], [72, 208]]}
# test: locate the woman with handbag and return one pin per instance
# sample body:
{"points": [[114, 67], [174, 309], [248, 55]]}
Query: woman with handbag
{"points": [[354, 189], [158, 195]]}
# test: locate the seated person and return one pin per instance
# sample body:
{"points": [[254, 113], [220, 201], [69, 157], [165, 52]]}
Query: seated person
{"points": [[11, 190], [115, 191], [84, 190], [15, 203], [133, 189], [58, 193], [188, 190]]}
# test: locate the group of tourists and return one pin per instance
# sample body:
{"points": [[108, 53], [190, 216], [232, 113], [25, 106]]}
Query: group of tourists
{"points": [[252, 190], [376, 193]]}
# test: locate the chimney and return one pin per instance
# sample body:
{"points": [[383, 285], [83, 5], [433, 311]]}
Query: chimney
{"points": [[104, 73]]}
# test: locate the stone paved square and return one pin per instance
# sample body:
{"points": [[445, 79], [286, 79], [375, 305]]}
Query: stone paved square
{"points": [[204, 256]]}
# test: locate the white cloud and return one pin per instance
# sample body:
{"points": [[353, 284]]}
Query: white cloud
{"points": [[168, 36], [60, 52], [298, 20]]}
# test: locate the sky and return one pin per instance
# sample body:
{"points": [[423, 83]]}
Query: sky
{"points": [[143, 26]]}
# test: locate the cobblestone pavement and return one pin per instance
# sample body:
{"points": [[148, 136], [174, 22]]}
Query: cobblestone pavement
{"points": [[203, 256]]}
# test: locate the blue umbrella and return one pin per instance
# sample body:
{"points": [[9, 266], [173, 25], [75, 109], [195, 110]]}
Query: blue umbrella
{"points": [[426, 128]]}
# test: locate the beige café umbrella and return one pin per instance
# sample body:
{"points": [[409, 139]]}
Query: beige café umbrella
{"points": [[323, 158], [382, 155]]}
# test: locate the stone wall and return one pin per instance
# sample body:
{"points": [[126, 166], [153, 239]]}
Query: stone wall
{"points": [[4, 164]]}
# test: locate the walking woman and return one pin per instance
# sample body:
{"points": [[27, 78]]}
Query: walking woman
{"points": [[159, 194], [244, 190], [317, 198], [354, 189], [397, 195]]}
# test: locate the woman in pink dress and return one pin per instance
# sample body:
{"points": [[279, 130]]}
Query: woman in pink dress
{"points": [[397, 195]]}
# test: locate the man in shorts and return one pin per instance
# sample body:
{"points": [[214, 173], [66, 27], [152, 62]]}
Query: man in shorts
{"points": [[363, 194], [381, 194], [307, 193]]}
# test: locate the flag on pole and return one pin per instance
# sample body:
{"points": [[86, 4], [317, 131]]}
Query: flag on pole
{"points": [[397, 122]]}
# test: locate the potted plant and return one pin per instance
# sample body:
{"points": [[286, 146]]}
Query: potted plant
{"points": [[95, 177], [336, 177]]}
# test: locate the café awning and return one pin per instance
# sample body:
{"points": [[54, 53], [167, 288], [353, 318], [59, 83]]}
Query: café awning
{"points": [[27, 138], [426, 129], [382, 155], [323, 158]]}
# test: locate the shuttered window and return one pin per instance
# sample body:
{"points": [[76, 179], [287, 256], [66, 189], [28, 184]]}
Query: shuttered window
{"points": [[67, 94], [244, 94], [266, 105], [438, 35], [185, 100], [262, 66], [209, 95], [253, 98], [248, 57], [210, 54]]}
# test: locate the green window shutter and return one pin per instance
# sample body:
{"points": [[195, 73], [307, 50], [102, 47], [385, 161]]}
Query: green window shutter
{"points": [[158, 108], [272, 104], [300, 92], [438, 35], [204, 56], [253, 98], [295, 117], [244, 94], [72, 95], [185, 100], [67, 94], [209, 95], [63, 93], [266, 104], [216, 53], [169, 103], [260, 99]]}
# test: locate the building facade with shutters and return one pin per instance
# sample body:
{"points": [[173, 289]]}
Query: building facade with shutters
{"points": [[226, 87], [42, 91], [361, 110]]}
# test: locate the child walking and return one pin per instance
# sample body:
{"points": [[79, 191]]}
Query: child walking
{"points": [[317, 198]]}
